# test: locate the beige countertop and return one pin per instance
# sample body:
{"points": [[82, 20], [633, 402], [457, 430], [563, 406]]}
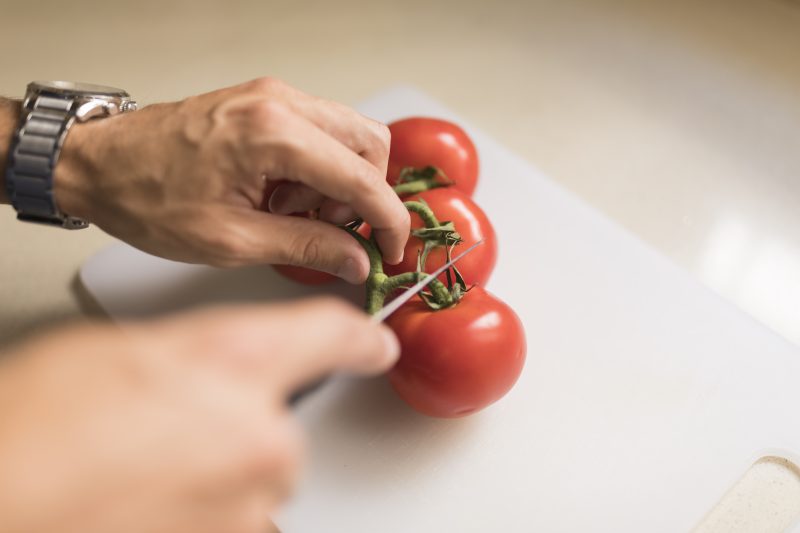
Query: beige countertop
{"points": [[680, 120]]}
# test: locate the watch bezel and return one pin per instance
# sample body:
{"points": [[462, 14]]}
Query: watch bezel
{"points": [[72, 89]]}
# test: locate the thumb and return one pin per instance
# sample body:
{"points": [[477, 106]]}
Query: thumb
{"points": [[298, 241]]}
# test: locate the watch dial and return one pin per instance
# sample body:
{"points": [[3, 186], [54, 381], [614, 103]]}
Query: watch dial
{"points": [[70, 87]]}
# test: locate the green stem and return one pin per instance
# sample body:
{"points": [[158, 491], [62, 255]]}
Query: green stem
{"points": [[424, 212], [395, 282], [437, 288], [415, 180], [375, 295], [415, 187], [376, 277], [379, 285], [374, 255]]}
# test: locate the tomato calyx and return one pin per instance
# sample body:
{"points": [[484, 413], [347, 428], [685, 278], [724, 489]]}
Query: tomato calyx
{"points": [[416, 180], [437, 295], [434, 234]]}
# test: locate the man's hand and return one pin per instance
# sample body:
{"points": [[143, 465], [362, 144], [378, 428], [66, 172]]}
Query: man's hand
{"points": [[175, 425], [186, 180]]}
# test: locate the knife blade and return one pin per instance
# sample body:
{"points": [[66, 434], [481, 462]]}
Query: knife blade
{"points": [[398, 302], [384, 313]]}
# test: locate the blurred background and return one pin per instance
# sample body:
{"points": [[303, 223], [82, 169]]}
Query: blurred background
{"points": [[680, 120]]}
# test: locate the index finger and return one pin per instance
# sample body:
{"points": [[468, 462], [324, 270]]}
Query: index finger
{"points": [[363, 135], [289, 345], [308, 155]]}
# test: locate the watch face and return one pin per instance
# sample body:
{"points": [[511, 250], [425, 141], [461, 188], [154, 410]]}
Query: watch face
{"points": [[70, 88]]}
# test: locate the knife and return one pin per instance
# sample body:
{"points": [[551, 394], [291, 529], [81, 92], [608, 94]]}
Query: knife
{"points": [[387, 310], [398, 302]]}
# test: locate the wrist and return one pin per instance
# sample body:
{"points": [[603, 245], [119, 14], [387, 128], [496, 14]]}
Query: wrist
{"points": [[9, 120], [72, 174]]}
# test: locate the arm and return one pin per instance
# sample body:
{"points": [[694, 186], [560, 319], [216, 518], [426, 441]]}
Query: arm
{"points": [[190, 180], [175, 425], [9, 117]]}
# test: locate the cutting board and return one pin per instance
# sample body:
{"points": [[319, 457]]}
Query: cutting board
{"points": [[644, 397]]}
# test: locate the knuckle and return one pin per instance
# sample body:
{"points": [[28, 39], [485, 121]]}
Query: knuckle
{"points": [[266, 116], [403, 221], [266, 84], [226, 249], [375, 141], [275, 452], [306, 251], [367, 178], [384, 136]]}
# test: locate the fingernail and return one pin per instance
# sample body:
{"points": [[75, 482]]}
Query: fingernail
{"points": [[350, 271], [280, 209], [398, 260], [392, 345]]}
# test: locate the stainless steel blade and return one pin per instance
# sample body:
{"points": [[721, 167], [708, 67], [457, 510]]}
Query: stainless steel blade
{"points": [[395, 304]]}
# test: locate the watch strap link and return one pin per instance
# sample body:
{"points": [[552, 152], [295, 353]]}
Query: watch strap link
{"points": [[32, 158]]}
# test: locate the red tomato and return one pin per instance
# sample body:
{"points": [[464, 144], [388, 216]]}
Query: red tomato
{"points": [[303, 275], [458, 360], [420, 142], [470, 221]]}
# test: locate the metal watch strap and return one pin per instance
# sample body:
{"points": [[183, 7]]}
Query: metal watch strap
{"points": [[32, 158]]}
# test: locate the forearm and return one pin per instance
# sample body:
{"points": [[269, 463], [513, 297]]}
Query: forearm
{"points": [[9, 116]]}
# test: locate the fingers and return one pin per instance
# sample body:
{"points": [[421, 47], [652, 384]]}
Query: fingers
{"points": [[362, 135], [305, 154], [336, 212], [260, 476], [288, 198], [292, 198], [254, 237], [344, 338], [276, 456], [288, 345]]}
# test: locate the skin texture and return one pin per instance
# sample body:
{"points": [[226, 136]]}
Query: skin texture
{"points": [[308, 276], [420, 141], [459, 360], [9, 116], [185, 180], [180, 424], [171, 425], [471, 223]]}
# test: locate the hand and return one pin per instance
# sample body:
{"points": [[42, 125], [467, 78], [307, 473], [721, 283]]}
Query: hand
{"points": [[174, 425], [186, 180]]}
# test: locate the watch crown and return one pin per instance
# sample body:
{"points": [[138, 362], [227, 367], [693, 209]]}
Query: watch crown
{"points": [[130, 105]]}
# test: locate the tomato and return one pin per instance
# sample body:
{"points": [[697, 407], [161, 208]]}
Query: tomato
{"points": [[470, 222], [306, 276], [420, 142], [458, 360]]}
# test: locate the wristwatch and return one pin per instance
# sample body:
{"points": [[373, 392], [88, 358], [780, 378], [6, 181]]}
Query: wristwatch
{"points": [[49, 110]]}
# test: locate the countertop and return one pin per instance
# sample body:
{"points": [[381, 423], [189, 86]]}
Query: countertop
{"points": [[680, 120]]}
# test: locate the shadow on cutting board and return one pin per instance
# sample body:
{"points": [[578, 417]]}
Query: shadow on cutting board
{"points": [[343, 412], [363, 421]]}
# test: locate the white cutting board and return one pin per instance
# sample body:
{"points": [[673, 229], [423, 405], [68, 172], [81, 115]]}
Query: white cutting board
{"points": [[644, 397]]}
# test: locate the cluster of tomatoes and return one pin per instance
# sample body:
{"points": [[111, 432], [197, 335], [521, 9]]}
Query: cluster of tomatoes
{"points": [[459, 358]]}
